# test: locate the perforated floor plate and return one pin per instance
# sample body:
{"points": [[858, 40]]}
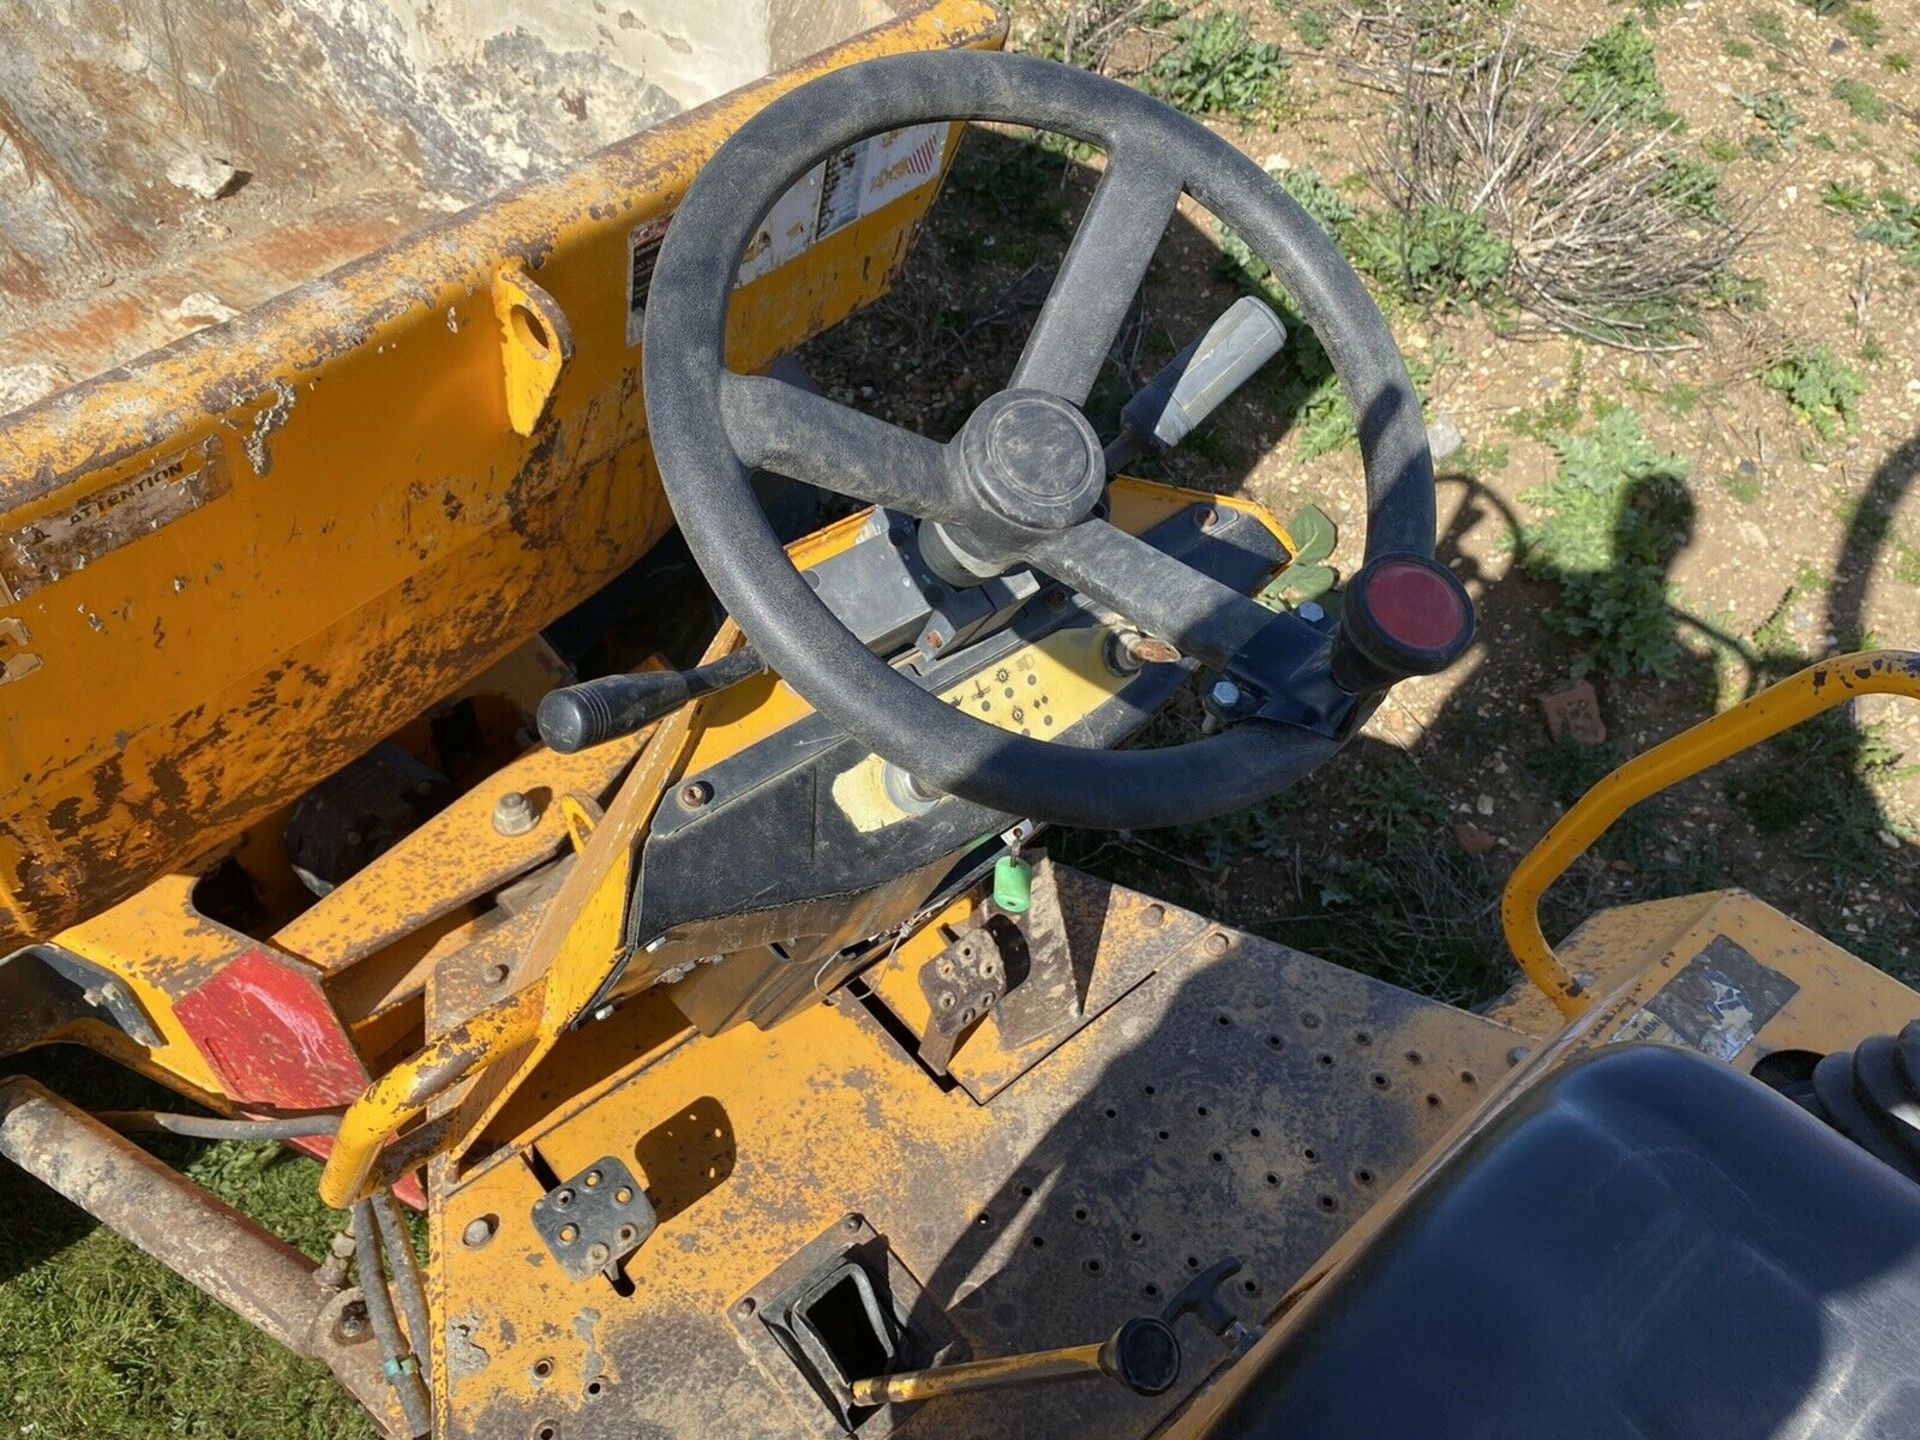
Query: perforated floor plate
{"points": [[1239, 1098]]}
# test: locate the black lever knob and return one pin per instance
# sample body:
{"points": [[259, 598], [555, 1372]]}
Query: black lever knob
{"points": [[1401, 615], [595, 711]]}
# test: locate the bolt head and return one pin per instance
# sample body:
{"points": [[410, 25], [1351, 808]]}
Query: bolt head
{"points": [[696, 794], [495, 974], [352, 1323], [513, 814], [605, 1012], [744, 1310], [598, 1253], [478, 1232], [1225, 694], [1311, 612]]}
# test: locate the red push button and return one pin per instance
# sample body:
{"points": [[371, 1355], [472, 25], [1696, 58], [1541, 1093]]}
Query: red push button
{"points": [[1415, 606]]}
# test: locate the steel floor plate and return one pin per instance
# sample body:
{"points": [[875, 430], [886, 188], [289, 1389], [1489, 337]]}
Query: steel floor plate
{"points": [[1242, 1098]]}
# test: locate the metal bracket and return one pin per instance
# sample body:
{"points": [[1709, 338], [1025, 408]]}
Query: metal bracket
{"points": [[962, 983], [99, 989], [594, 1221], [536, 343], [1045, 991]]}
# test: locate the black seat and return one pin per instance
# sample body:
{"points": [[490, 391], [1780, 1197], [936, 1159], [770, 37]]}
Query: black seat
{"points": [[1649, 1246]]}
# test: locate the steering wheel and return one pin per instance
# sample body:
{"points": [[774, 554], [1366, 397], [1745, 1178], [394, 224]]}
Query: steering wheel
{"points": [[1022, 483]]}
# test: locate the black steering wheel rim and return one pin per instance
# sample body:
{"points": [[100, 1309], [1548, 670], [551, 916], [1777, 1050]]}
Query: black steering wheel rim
{"points": [[706, 479]]}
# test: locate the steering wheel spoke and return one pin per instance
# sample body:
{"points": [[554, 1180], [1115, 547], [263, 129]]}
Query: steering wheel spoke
{"points": [[1165, 597], [1097, 281], [780, 427]]}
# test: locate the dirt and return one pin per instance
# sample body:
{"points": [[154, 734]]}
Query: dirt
{"points": [[1781, 549]]}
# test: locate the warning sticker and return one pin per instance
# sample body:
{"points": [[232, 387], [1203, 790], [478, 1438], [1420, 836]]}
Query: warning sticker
{"points": [[787, 230], [1716, 1004], [118, 514], [841, 189], [643, 248]]}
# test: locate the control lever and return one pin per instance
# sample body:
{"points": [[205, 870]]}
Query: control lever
{"points": [[1200, 1297], [1143, 1354], [596, 711], [1191, 386]]}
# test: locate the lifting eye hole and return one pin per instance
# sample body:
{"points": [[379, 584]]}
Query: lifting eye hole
{"points": [[529, 331]]}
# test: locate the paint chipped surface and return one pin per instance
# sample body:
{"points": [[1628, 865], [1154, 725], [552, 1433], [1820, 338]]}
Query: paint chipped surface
{"points": [[465, 1355], [271, 417]]}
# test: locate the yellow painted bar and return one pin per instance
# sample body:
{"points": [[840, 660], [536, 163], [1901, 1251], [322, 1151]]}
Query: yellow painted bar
{"points": [[404, 1092], [1779, 707], [1001, 1373]]}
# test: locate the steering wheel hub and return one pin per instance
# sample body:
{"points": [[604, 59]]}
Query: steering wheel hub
{"points": [[1032, 462]]}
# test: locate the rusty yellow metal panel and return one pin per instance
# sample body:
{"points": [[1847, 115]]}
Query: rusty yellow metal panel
{"points": [[1196, 1117], [1739, 979], [240, 562]]}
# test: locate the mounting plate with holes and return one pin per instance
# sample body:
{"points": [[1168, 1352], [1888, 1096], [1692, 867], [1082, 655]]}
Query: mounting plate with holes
{"points": [[595, 1220], [962, 983]]}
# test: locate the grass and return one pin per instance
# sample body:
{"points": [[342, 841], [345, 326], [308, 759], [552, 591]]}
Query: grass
{"points": [[1216, 67], [1847, 198], [1433, 254], [1310, 24], [1864, 24], [1405, 905], [98, 1342], [1862, 515], [1769, 28], [1693, 186], [1780, 122], [1615, 71], [1813, 785], [1860, 98], [1305, 386], [1613, 515], [1897, 226], [1822, 389]]}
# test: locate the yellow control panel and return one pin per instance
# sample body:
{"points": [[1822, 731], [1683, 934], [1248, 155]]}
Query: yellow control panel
{"points": [[1040, 690]]}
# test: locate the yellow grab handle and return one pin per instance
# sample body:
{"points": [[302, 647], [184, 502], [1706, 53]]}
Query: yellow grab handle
{"points": [[1778, 707], [405, 1091]]}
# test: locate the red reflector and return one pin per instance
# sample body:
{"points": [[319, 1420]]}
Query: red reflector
{"points": [[1415, 606]]}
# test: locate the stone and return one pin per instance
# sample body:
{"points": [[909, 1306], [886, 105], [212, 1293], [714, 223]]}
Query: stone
{"points": [[1472, 839], [1573, 713], [207, 176], [1444, 438]]}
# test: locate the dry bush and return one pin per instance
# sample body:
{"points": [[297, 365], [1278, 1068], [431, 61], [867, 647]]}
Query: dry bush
{"points": [[1613, 234], [1088, 33]]}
